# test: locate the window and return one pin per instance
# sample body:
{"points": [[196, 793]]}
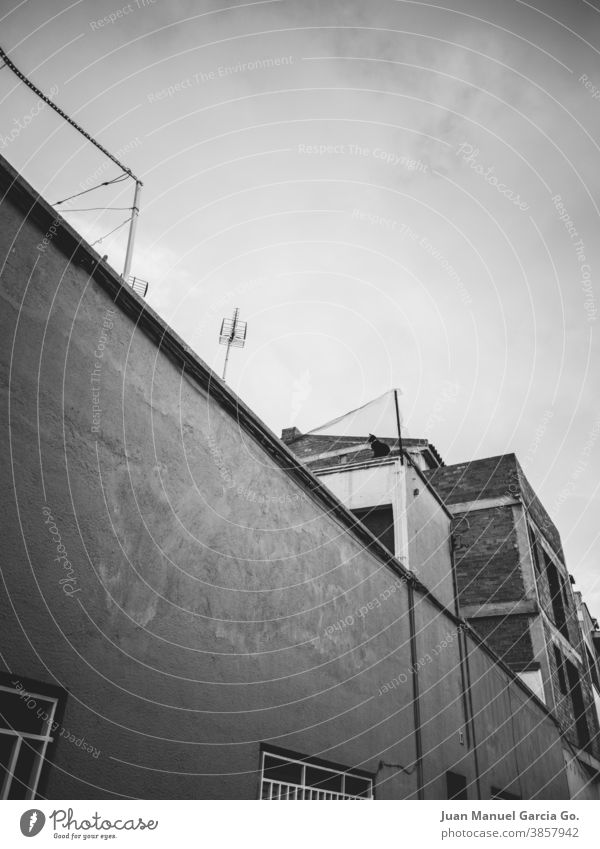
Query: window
{"points": [[499, 793], [560, 671], [380, 521], [291, 778], [27, 715], [456, 786], [593, 668], [558, 596], [534, 550], [581, 725]]}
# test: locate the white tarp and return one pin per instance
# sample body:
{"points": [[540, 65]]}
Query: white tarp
{"points": [[377, 417]]}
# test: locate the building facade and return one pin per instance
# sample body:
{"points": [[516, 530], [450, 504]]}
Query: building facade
{"points": [[515, 589], [590, 647], [508, 574], [187, 610]]}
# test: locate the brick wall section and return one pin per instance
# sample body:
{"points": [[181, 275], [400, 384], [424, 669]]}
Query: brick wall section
{"points": [[510, 638], [308, 445], [538, 513], [362, 456], [305, 446], [487, 557], [494, 477], [488, 570]]}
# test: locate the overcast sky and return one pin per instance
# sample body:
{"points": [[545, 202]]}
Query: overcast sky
{"points": [[374, 184]]}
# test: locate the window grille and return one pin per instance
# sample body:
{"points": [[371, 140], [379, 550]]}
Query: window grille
{"points": [[284, 778], [26, 720]]}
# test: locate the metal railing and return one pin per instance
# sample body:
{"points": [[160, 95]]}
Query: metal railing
{"points": [[282, 791], [139, 286]]}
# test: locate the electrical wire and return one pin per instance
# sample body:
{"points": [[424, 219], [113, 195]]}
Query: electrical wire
{"points": [[118, 179], [62, 114], [94, 208], [126, 171], [406, 770], [101, 239]]}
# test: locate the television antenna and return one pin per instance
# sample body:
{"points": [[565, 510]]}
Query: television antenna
{"points": [[232, 334]]}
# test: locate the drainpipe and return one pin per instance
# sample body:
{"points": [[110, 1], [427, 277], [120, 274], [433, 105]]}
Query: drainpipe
{"points": [[465, 673], [415, 682], [471, 716]]}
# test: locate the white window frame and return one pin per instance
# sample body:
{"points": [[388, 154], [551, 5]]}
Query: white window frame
{"points": [[25, 736], [283, 790]]}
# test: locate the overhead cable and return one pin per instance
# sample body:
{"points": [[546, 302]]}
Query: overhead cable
{"points": [[118, 179], [62, 114], [101, 239]]}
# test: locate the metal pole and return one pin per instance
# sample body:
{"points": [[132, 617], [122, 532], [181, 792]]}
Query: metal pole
{"points": [[399, 428], [236, 313], [226, 359], [138, 183], [134, 216]]}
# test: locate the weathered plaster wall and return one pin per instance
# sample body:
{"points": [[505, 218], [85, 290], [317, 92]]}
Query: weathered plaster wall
{"points": [[429, 539], [422, 526], [518, 749]]}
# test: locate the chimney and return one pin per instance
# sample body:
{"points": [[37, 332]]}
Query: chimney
{"points": [[289, 434]]}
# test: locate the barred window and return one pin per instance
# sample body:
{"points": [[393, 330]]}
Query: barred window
{"points": [[26, 718], [297, 778]]}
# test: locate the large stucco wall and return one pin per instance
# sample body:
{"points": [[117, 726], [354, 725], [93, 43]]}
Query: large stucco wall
{"points": [[429, 526], [204, 580]]}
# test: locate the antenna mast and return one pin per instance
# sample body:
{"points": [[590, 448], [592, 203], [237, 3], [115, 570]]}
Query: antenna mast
{"points": [[232, 334], [138, 183]]}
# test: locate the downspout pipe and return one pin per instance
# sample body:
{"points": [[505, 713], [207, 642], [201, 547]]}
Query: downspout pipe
{"points": [[471, 716], [416, 696], [465, 673]]}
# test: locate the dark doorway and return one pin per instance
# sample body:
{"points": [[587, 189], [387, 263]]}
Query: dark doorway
{"points": [[380, 521], [456, 786]]}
